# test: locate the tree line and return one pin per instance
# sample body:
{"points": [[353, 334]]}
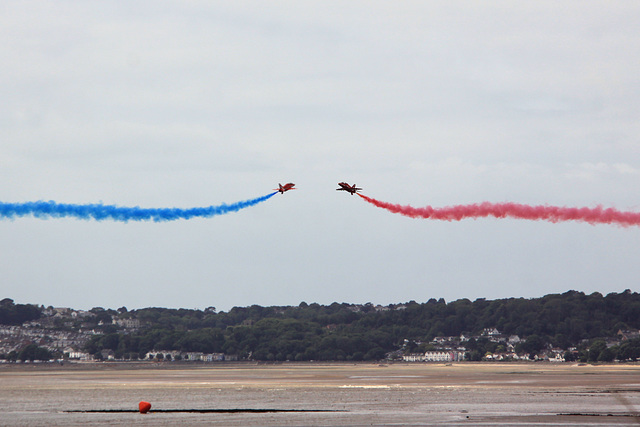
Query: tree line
{"points": [[348, 332], [17, 314]]}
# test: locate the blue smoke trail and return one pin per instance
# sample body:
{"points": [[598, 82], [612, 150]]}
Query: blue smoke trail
{"points": [[101, 212]]}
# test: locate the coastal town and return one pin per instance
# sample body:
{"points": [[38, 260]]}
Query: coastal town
{"points": [[66, 335]]}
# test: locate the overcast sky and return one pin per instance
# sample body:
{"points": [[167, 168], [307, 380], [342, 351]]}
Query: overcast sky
{"points": [[185, 104]]}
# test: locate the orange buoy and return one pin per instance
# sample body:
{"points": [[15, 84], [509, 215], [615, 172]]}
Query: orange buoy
{"points": [[144, 407]]}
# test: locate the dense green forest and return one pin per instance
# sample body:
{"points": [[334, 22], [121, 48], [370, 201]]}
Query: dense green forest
{"points": [[17, 314], [342, 331], [366, 332]]}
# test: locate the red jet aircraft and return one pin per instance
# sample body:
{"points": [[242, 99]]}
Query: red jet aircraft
{"points": [[286, 187], [346, 187]]}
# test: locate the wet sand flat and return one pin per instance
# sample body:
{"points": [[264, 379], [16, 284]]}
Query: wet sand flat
{"points": [[351, 394]]}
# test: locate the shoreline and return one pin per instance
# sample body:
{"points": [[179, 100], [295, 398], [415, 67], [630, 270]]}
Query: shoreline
{"points": [[331, 374], [198, 365]]}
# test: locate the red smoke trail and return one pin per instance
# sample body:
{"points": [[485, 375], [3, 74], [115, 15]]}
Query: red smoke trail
{"points": [[597, 215]]}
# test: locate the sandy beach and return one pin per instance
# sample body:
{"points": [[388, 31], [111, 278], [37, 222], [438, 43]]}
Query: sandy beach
{"points": [[320, 394]]}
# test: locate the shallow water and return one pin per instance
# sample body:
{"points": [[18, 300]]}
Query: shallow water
{"points": [[363, 394]]}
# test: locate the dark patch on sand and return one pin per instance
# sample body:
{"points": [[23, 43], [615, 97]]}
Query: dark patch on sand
{"points": [[201, 411]]}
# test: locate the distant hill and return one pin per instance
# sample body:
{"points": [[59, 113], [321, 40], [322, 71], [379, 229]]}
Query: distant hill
{"points": [[571, 322]]}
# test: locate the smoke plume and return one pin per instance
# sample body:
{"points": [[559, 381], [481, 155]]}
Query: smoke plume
{"points": [[597, 215], [101, 212]]}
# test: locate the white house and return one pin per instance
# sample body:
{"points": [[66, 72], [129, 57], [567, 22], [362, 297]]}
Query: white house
{"points": [[443, 356], [76, 354], [514, 339], [413, 357]]}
